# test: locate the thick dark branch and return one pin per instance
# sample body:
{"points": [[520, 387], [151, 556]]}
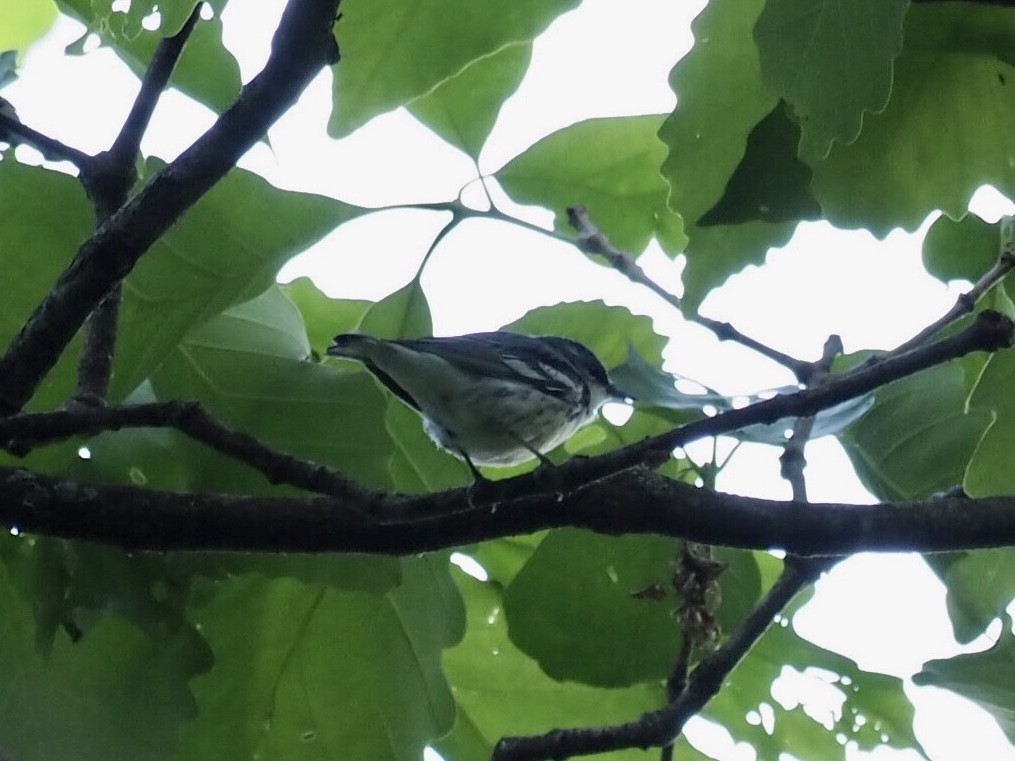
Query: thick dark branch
{"points": [[660, 728], [637, 501], [23, 432], [302, 45]]}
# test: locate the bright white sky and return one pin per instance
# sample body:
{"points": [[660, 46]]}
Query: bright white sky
{"points": [[887, 612]]}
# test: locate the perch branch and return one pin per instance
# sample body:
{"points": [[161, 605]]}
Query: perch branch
{"points": [[638, 501]]}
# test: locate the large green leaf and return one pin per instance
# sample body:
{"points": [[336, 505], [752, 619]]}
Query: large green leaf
{"points": [[602, 610], [324, 317], [948, 128], [707, 133], [575, 608], [981, 585], [402, 314], [918, 437], [608, 331], [502, 692], [610, 166], [24, 23], [115, 693], [879, 699], [770, 183], [804, 45], [463, 109], [396, 50], [984, 678], [720, 99], [123, 32], [225, 250], [965, 249], [44, 218], [989, 471], [249, 367], [304, 671]]}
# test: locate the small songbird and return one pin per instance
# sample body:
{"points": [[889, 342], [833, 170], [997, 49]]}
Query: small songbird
{"points": [[490, 398]]}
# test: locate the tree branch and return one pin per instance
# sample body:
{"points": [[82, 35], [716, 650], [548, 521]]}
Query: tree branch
{"points": [[592, 240], [22, 432], [302, 44], [966, 302], [639, 501], [107, 179], [12, 130]]}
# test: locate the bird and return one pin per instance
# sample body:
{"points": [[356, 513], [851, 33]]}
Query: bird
{"points": [[491, 399]]}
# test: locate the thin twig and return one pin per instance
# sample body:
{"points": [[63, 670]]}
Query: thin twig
{"points": [[160, 69], [792, 461], [966, 302], [592, 240], [13, 131], [108, 179]]}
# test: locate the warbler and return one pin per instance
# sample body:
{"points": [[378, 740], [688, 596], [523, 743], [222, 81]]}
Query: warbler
{"points": [[489, 398]]}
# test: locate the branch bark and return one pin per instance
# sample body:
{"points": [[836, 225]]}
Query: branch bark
{"points": [[639, 502]]}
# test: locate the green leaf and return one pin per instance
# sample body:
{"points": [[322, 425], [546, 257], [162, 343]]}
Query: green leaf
{"points": [[608, 331], [770, 184], [878, 698], [963, 249], [740, 585], [826, 423], [305, 671], [981, 584], [135, 44], [984, 678], [394, 51], [115, 693], [947, 130], [806, 45], [24, 23], [577, 582], [706, 137], [918, 437], [402, 314], [989, 472], [716, 252], [44, 218], [324, 317], [248, 367], [463, 108], [502, 692], [610, 166], [227, 249]]}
